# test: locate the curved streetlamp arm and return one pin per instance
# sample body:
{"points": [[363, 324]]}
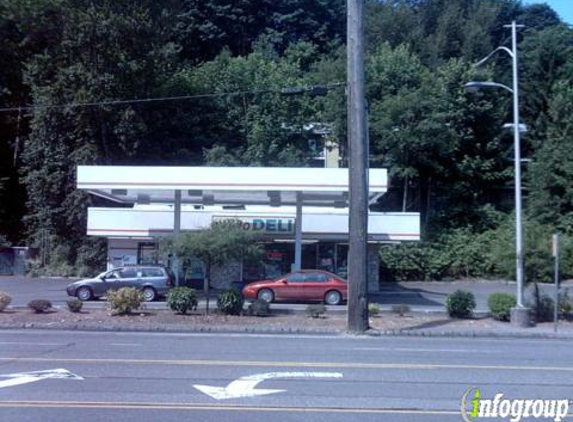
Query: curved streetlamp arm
{"points": [[486, 58], [479, 85]]}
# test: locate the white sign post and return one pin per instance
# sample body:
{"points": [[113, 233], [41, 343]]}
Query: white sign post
{"points": [[556, 278]]}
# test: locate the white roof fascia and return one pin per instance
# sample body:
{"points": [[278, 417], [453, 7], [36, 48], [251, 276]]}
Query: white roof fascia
{"points": [[223, 178]]}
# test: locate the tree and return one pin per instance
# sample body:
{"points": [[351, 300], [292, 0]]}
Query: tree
{"points": [[551, 197], [546, 57], [244, 119], [436, 139], [206, 28], [222, 243], [104, 51]]}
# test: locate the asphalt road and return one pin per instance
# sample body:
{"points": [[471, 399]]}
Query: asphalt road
{"points": [[147, 377], [424, 296]]}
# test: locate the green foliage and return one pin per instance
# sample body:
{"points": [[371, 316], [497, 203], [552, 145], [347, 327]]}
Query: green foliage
{"points": [[544, 309], [460, 304], [552, 169], [444, 149], [424, 261], [123, 301], [500, 305], [543, 306], [40, 305], [182, 299], [373, 309], [565, 304], [75, 305], [259, 308], [464, 253], [224, 242], [230, 302], [316, 310], [5, 300]]}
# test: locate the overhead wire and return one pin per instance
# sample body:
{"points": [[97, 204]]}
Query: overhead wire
{"points": [[290, 90]]}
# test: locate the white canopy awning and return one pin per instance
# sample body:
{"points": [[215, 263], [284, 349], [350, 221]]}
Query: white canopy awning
{"points": [[273, 186]]}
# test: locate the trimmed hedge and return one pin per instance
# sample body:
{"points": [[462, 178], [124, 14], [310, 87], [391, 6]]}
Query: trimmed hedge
{"points": [[182, 299], [230, 302], [5, 300], [500, 305], [460, 304], [40, 305], [124, 300]]}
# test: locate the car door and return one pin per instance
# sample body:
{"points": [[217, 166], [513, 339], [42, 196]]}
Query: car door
{"points": [[110, 281], [130, 277], [155, 277], [292, 287], [314, 286]]}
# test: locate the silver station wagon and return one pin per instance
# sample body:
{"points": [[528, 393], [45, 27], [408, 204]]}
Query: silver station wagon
{"points": [[153, 280]]}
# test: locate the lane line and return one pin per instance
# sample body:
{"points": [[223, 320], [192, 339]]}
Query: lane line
{"points": [[412, 349], [125, 344], [347, 365], [207, 407], [21, 343]]}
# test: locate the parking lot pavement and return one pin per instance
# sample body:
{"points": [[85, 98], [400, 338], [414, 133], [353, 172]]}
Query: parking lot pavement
{"points": [[419, 296]]}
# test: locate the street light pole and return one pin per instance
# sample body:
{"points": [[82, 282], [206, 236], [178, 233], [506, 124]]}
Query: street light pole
{"points": [[519, 314], [357, 319], [520, 277]]}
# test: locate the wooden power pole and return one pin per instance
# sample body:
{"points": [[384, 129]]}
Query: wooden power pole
{"points": [[357, 321]]}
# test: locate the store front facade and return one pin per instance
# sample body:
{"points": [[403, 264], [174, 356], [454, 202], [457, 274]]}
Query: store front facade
{"points": [[300, 215], [133, 233]]}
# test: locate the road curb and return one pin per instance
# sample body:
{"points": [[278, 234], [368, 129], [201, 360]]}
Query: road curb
{"points": [[287, 331]]}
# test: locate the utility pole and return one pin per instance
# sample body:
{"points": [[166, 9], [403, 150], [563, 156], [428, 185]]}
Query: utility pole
{"points": [[357, 320]]}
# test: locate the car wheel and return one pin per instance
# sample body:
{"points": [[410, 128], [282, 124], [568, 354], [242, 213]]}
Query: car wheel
{"points": [[149, 294], [266, 295], [84, 293], [333, 298]]}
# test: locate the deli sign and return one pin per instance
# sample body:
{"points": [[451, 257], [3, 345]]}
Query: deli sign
{"points": [[261, 224]]}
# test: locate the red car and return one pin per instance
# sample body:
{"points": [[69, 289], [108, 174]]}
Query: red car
{"points": [[304, 285]]}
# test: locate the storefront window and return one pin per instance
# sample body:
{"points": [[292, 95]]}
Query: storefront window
{"points": [[276, 262], [147, 253], [342, 260], [194, 269], [309, 256], [326, 257]]}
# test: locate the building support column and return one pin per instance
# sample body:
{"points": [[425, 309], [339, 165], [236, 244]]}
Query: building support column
{"points": [[176, 232], [298, 234]]}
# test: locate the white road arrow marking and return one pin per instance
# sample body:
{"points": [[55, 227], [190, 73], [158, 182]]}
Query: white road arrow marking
{"points": [[27, 377], [245, 386]]}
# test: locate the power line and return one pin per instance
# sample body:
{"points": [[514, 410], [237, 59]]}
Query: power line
{"points": [[312, 90]]}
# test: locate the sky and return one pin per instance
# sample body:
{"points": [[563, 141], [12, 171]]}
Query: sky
{"points": [[564, 8]]}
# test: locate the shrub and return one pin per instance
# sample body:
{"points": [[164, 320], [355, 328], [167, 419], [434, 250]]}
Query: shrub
{"points": [[500, 305], [400, 309], [565, 304], [259, 308], [543, 306], [544, 309], [5, 300], [124, 300], [230, 302], [316, 311], [40, 305], [182, 299], [373, 309], [460, 304], [75, 305]]}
